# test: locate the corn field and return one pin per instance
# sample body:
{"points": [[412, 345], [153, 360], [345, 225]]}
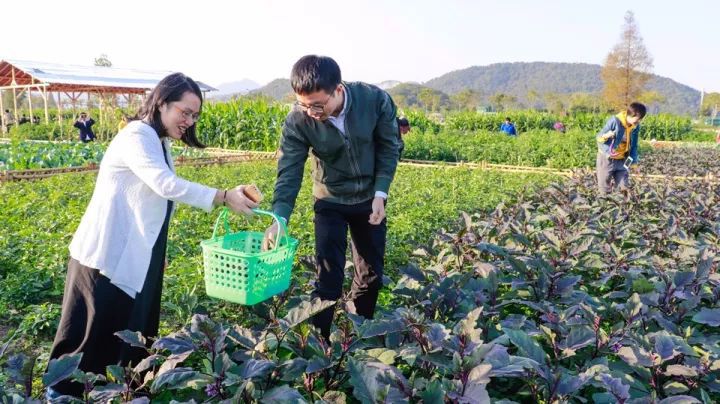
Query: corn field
{"points": [[659, 127], [256, 124], [248, 124]]}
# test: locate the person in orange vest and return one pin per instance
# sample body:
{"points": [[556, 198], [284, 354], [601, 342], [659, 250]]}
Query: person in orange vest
{"points": [[618, 148]]}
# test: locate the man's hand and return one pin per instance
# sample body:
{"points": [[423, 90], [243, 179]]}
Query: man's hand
{"points": [[378, 211], [271, 237]]}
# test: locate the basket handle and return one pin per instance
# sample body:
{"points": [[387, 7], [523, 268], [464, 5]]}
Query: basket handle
{"points": [[224, 217]]}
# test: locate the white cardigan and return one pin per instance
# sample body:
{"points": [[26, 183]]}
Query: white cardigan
{"points": [[128, 207]]}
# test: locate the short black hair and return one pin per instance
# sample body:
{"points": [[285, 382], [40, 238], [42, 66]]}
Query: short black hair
{"points": [[403, 122], [314, 73], [507, 118], [637, 109]]}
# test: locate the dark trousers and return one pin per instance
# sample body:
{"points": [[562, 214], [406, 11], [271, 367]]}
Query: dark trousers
{"points": [[332, 222], [93, 310], [611, 174]]}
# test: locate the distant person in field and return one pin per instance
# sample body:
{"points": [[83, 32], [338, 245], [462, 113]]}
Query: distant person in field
{"points": [[23, 119], [618, 148], [350, 130], [84, 124], [8, 120], [559, 126], [117, 261], [403, 129], [508, 127]]}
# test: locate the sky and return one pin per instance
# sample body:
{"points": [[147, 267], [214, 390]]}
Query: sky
{"points": [[372, 41]]}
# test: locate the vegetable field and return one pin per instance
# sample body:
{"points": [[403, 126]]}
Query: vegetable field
{"points": [[499, 288]]}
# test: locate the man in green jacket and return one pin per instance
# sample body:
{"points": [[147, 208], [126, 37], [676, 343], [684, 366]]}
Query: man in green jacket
{"points": [[350, 131]]}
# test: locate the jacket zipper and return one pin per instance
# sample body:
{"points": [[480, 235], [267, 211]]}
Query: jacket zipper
{"points": [[353, 163]]}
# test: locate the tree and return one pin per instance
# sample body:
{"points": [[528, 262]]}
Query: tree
{"points": [[400, 100], [533, 97], [583, 102], [711, 104], [428, 99], [502, 101], [103, 61], [555, 103], [652, 99], [466, 99], [627, 67]]}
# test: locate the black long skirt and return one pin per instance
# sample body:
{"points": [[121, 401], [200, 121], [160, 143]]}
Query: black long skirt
{"points": [[93, 310]]}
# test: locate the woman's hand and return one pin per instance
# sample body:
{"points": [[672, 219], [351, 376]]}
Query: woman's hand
{"points": [[236, 200]]}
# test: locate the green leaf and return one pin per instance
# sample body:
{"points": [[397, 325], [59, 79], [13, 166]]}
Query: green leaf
{"points": [[172, 361], [478, 378], [528, 346], [202, 324], [708, 316], [133, 338], [374, 328], [293, 369], [615, 386], [413, 272], [115, 373], [61, 368], [370, 378], [256, 368], [673, 387], [468, 326], [634, 305], [107, 392], [680, 370], [564, 285], [317, 364], [147, 363], [173, 379], [680, 400], [244, 337], [304, 311], [568, 384], [334, 397], [175, 345], [578, 338], [683, 278], [642, 285], [665, 347], [704, 266], [282, 395], [434, 393], [635, 356], [222, 364], [364, 381], [437, 334], [384, 355]]}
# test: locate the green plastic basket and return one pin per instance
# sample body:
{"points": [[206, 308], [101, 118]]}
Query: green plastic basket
{"points": [[236, 268]]}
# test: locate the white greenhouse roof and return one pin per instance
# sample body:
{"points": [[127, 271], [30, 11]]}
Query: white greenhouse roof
{"points": [[58, 77]]}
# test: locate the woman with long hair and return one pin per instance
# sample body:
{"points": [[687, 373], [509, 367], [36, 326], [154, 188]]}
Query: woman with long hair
{"points": [[117, 255]]}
